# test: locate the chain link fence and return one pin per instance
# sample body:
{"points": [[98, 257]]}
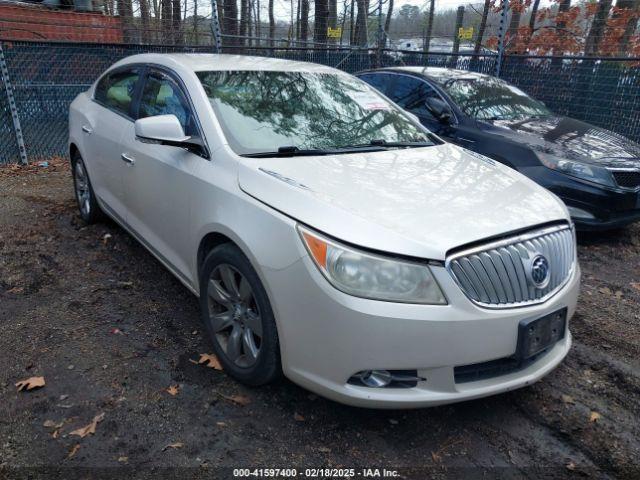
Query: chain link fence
{"points": [[46, 77]]}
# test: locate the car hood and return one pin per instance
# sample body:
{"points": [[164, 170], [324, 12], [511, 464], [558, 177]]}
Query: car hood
{"points": [[571, 139], [419, 202]]}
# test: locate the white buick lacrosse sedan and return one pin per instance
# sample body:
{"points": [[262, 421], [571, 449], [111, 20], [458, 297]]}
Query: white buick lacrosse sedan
{"points": [[328, 235]]}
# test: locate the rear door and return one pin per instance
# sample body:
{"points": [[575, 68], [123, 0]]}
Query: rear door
{"points": [[158, 178], [110, 114]]}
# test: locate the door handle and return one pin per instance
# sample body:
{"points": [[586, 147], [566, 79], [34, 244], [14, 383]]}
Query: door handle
{"points": [[87, 129], [128, 158]]}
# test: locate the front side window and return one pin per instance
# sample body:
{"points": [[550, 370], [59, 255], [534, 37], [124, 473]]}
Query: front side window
{"points": [[489, 98], [161, 95], [262, 111], [411, 94], [115, 90]]}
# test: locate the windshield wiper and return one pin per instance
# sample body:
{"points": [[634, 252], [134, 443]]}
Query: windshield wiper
{"points": [[385, 144], [290, 151]]}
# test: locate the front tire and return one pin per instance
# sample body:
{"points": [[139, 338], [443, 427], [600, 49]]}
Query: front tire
{"points": [[238, 317], [86, 198]]}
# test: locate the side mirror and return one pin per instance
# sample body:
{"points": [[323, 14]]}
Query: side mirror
{"points": [[166, 130], [439, 109]]}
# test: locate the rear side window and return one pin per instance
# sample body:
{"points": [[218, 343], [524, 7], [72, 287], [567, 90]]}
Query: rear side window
{"points": [[378, 81], [161, 95], [115, 90]]}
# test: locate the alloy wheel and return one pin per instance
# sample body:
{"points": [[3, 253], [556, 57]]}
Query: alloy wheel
{"points": [[83, 192], [234, 316]]}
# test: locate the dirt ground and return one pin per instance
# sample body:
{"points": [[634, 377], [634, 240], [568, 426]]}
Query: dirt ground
{"points": [[111, 330]]}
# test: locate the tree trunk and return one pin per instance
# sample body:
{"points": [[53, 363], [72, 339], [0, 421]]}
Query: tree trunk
{"points": [[176, 24], [244, 9], [321, 21], [352, 33], [272, 23], [333, 17], [195, 23], [483, 26], [144, 21], [304, 20], [427, 35], [166, 12], [362, 34], [532, 18], [230, 21], [560, 26], [387, 24], [597, 28], [514, 23], [631, 12]]}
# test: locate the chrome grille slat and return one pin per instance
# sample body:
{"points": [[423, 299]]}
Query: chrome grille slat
{"points": [[495, 275]]}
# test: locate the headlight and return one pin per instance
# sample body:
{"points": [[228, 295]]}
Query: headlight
{"points": [[372, 276], [590, 173]]}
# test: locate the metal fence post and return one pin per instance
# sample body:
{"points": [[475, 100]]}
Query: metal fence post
{"points": [[501, 35], [4, 71], [215, 26]]}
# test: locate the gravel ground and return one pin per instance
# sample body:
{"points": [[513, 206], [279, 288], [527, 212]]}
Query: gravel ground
{"points": [[111, 331]]}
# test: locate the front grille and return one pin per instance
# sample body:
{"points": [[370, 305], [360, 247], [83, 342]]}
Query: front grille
{"points": [[501, 274], [627, 178]]}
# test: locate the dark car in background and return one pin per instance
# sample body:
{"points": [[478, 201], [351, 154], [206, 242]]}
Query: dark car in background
{"points": [[596, 172]]}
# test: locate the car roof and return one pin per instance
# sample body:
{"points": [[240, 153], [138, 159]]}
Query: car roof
{"points": [[198, 62], [437, 74]]}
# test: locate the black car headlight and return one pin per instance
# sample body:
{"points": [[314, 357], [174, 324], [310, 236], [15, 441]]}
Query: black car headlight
{"points": [[590, 173]]}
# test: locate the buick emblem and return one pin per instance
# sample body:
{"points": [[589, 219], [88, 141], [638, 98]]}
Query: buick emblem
{"points": [[539, 272]]}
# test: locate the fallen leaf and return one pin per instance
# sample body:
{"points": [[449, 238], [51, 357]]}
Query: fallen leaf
{"points": [[209, 360], [173, 445], [221, 424], [298, 418], [172, 390], [74, 450], [89, 429], [568, 399], [116, 331], [30, 383], [594, 417], [106, 238], [324, 449], [52, 424], [605, 290], [635, 286], [618, 294], [16, 290], [55, 434], [570, 466], [241, 400], [436, 457], [123, 459]]}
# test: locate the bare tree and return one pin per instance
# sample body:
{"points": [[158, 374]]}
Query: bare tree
{"points": [[167, 14], [629, 9], [514, 23], [352, 34], [332, 20]]}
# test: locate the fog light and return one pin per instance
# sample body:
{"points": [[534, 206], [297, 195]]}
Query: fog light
{"points": [[386, 378], [375, 378], [580, 213]]}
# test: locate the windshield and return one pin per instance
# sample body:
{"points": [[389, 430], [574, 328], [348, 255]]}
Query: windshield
{"points": [[489, 98], [263, 111]]}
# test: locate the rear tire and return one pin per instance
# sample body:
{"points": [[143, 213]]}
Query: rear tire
{"points": [[85, 197], [238, 317]]}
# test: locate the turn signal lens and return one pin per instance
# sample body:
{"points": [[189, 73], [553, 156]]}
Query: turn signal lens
{"points": [[367, 275]]}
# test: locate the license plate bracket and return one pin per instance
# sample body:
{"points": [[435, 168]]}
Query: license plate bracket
{"points": [[538, 334]]}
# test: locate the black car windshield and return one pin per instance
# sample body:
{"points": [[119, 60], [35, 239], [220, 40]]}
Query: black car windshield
{"points": [[488, 98], [264, 111]]}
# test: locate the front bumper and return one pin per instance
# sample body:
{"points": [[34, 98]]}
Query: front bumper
{"points": [[327, 336], [611, 208]]}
